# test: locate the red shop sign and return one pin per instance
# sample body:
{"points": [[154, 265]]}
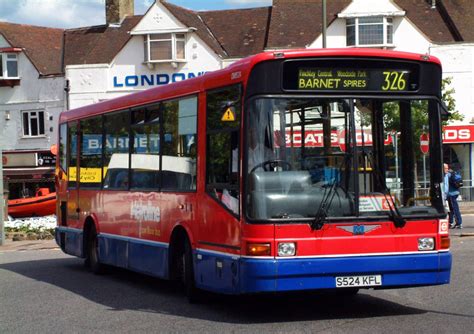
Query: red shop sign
{"points": [[455, 134]]}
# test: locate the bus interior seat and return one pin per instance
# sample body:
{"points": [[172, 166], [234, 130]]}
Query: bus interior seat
{"points": [[267, 188], [292, 194]]}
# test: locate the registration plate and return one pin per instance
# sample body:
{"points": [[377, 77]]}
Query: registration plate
{"points": [[358, 281]]}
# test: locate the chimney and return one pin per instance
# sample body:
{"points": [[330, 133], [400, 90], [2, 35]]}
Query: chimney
{"points": [[116, 10], [433, 4]]}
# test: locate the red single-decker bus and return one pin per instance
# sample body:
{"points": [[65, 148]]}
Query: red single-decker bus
{"points": [[288, 170]]}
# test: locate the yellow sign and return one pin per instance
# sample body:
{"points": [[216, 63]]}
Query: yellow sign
{"points": [[88, 175], [228, 116]]}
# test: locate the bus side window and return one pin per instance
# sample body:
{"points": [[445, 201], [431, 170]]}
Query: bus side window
{"points": [[116, 149], [145, 150], [223, 146], [72, 154], [179, 141], [90, 167]]}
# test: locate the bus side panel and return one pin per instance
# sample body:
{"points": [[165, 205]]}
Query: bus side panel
{"points": [[142, 256], [148, 258], [70, 240], [218, 247], [217, 272], [113, 250]]}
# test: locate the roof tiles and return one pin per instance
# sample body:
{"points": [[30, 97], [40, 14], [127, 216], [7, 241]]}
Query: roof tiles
{"points": [[43, 46]]}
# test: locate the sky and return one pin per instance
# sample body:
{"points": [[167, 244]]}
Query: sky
{"points": [[81, 13]]}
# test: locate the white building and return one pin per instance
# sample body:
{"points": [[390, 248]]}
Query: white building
{"points": [[31, 98]]}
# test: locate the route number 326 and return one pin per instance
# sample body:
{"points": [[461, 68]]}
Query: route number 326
{"points": [[394, 81]]}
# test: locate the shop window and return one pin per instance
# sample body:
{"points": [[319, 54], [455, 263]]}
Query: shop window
{"points": [[179, 144], [8, 66], [145, 160], [223, 151], [33, 123], [169, 47], [369, 31], [90, 166], [116, 157]]}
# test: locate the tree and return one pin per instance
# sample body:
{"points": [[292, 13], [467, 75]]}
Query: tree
{"points": [[419, 112]]}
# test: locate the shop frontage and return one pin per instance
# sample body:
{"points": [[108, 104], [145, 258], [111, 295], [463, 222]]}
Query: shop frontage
{"points": [[457, 152], [25, 173]]}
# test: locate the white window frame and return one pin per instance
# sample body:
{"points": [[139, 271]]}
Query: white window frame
{"points": [[386, 22], [174, 40], [5, 59], [33, 116]]}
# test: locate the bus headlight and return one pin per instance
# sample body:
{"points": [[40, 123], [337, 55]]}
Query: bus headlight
{"points": [[426, 244], [286, 249]]}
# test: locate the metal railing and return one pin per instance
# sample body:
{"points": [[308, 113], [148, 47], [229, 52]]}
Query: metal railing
{"points": [[466, 192]]}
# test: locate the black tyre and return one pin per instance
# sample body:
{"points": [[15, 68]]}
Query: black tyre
{"points": [[193, 293], [92, 256]]}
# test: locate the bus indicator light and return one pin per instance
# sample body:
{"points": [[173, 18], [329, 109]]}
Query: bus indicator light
{"points": [[445, 242], [259, 249]]}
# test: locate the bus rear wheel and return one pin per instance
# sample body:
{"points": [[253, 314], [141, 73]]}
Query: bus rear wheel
{"points": [[92, 255]]}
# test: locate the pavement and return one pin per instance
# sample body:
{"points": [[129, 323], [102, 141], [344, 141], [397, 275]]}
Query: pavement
{"points": [[26, 245]]}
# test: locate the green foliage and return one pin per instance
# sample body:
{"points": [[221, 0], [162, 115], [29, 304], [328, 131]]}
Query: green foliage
{"points": [[28, 228], [419, 114], [449, 101]]}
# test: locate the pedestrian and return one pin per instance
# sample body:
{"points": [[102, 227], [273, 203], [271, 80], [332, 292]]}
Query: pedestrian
{"points": [[451, 196]]}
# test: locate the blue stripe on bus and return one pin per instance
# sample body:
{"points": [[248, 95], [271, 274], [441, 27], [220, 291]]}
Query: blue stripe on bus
{"points": [[143, 256], [227, 273], [216, 271], [72, 240], [308, 274]]}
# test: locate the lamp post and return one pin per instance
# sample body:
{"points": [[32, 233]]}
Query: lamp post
{"points": [[324, 24]]}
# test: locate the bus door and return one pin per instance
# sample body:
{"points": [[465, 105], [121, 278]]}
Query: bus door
{"points": [[72, 193]]}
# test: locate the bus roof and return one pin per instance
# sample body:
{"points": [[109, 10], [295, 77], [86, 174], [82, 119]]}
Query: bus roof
{"points": [[236, 72]]}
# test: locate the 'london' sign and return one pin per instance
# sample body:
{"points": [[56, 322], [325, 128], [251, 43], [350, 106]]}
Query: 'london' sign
{"points": [[159, 79]]}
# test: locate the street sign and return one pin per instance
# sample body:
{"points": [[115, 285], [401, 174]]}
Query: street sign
{"points": [[424, 143]]}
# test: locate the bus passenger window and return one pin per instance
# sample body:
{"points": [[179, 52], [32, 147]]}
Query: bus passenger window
{"points": [[116, 150], [72, 154], [145, 129], [62, 153], [223, 149], [90, 166], [179, 141]]}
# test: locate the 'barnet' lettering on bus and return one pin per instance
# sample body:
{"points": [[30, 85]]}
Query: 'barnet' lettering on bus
{"points": [[239, 182]]}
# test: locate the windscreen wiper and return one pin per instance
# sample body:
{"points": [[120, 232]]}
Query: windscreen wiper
{"points": [[322, 214]]}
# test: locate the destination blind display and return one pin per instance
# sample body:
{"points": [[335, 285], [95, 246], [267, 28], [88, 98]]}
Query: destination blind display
{"points": [[332, 79]]}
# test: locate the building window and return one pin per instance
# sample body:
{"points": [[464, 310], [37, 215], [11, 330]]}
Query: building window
{"points": [[369, 31], [8, 66], [165, 47], [33, 123]]}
